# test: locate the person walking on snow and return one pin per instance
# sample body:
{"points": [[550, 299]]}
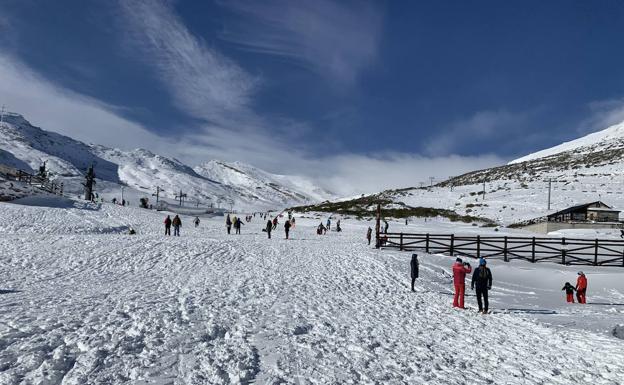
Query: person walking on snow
{"points": [[414, 269], [269, 227], [460, 269], [228, 223], [168, 225], [275, 223], [482, 279], [369, 235], [237, 225], [287, 228], [196, 221], [177, 223], [569, 289], [386, 225], [328, 225], [581, 287]]}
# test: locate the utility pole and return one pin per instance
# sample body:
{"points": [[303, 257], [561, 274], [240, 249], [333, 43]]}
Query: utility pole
{"points": [[549, 187], [2, 114], [181, 196], [483, 189], [431, 178], [122, 196], [158, 190], [421, 184]]}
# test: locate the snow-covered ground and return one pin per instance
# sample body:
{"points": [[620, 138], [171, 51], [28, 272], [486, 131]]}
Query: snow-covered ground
{"points": [[83, 302]]}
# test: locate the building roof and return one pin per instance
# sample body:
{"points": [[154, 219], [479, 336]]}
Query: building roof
{"points": [[583, 207]]}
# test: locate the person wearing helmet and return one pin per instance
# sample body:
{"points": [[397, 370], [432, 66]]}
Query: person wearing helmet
{"points": [[482, 279], [581, 287], [460, 269]]}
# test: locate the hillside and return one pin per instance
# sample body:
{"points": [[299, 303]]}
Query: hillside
{"points": [[585, 170], [140, 171]]}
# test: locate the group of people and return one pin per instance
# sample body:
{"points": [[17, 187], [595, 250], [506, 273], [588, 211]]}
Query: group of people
{"points": [[481, 282], [176, 222], [235, 222], [580, 288]]}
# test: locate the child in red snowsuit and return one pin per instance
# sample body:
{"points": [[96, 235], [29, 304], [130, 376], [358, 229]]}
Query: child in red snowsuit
{"points": [[581, 287], [460, 269], [569, 289]]}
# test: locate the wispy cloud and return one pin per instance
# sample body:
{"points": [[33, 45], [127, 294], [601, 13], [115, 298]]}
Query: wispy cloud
{"points": [[602, 114], [335, 39], [203, 83], [482, 126]]}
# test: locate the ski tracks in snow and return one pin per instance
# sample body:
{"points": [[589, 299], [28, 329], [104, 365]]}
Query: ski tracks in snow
{"points": [[207, 308]]}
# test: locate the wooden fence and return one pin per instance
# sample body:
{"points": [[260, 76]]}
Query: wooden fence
{"points": [[567, 251], [34, 180]]}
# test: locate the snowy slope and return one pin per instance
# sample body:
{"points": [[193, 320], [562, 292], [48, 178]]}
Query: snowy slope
{"points": [[140, 171], [253, 182], [611, 137], [82, 302], [585, 170]]}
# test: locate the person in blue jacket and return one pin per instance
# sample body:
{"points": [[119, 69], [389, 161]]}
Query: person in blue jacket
{"points": [[482, 279]]}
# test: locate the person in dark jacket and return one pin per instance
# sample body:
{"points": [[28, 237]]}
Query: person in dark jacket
{"points": [[369, 235], [177, 223], [386, 225], [569, 289], [168, 225], [228, 223], [237, 225], [269, 227], [482, 280], [414, 268], [287, 228]]}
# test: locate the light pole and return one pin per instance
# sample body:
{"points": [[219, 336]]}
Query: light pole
{"points": [[122, 194]]}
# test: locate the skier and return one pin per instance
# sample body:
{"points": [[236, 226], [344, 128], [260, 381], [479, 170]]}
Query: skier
{"points": [[228, 223], [328, 225], [275, 223], [177, 223], [581, 287], [414, 269], [292, 222], [320, 229], [369, 235], [569, 289], [287, 228], [482, 279], [168, 225], [237, 225], [460, 269], [386, 225], [196, 221], [269, 227]]}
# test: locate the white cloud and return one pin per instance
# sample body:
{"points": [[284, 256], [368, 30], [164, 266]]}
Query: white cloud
{"points": [[351, 174], [483, 125], [54, 108], [603, 114], [333, 38], [203, 83]]}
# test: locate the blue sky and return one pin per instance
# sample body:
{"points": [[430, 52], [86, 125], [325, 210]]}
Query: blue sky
{"points": [[339, 91]]}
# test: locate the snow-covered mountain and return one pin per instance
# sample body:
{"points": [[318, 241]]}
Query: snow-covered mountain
{"points": [[609, 139], [584, 170], [140, 172]]}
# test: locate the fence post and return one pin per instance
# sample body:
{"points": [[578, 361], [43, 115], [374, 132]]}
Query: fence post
{"points": [[427, 243], [533, 250], [596, 253], [401, 242], [563, 251], [478, 246], [452, 247], [378, 227], [505, 250]]}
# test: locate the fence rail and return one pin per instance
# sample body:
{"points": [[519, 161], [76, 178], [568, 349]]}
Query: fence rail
{"points": [[34, 180], [567, 251]]}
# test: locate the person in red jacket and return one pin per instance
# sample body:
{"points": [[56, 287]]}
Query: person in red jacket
{"points": [[581, 287], [460, 269]]}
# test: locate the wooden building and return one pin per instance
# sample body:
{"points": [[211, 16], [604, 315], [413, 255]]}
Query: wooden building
{"points": [[589, 212]]}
